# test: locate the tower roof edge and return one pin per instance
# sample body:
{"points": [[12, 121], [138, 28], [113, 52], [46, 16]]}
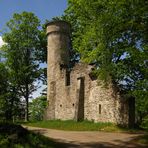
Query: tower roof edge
{"points": [[58, 26]]}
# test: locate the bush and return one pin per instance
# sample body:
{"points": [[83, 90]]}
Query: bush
{"points": [[37, 108]]}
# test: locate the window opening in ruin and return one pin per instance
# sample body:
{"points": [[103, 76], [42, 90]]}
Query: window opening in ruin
{"points": [[73, 104], [80, 96], [131, 105], [60, 105], [67, 80], [92, 74], [99, 108], [63, 66]]}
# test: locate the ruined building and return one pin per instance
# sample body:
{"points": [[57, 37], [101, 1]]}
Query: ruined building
{"points": [[73, 94]]}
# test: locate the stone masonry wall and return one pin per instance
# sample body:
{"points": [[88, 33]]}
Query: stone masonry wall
{"points": [[101, 104], [58, 45]]}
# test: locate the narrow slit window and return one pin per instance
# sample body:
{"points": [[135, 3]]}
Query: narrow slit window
{"points": [[67, 83], [99, 108]]}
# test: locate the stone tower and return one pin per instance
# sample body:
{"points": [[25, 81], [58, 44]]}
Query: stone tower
{"points": [[58, 38]]}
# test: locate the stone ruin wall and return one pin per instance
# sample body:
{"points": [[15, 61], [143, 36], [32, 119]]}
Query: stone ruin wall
{"points": [[101, 104], [75, 95]]}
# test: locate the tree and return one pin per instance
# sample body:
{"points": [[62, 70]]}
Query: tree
{"points": [[37, 108], [23, 43], [3, 92], [42, 53], [113, 36], [9, 100]]}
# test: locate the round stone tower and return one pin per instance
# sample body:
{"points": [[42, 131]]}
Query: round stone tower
{"points": [[58, 38]]}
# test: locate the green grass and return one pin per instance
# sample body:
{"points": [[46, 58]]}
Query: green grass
{"points": [[70, 125]]}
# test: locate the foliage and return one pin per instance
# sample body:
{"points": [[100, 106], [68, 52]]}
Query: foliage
{"points": [[10, 107], [8, 99], [37, 108], [113, 36], [42, 53], [21, 53], [4, 92]]}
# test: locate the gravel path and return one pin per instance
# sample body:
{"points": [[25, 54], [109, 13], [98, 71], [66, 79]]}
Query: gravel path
{"points": [[90, 139]]}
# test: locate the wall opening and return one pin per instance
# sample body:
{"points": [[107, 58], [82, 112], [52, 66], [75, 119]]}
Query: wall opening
{"points": [[92, 74], [131, 103], [67, 79], [99, 108], [80, 96], [52, 87]]}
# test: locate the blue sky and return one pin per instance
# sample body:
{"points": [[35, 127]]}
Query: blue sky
{"points": [[43, 9]]}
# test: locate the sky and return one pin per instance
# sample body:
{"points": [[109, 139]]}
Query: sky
{"points": [[43, 9]]}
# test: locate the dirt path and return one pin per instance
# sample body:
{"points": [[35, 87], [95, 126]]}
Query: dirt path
{"points": [[90, 139]]}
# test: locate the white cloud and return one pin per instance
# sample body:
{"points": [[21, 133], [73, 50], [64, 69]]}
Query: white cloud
{"points": [[1, 42]]}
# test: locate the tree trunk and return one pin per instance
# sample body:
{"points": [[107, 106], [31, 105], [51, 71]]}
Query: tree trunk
{"points": [[27, 100]]}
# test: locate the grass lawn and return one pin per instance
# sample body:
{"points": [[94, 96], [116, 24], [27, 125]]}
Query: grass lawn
{"points": [[70, 125]]}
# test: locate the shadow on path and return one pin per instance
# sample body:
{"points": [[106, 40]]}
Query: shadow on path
{"points": [[66, 142], [120, 144]]}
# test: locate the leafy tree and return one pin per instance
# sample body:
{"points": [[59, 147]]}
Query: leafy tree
{"points": [[9, 100], [37, 108], [42, 53], [3, 91], [113, 36], [23, 43]]}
